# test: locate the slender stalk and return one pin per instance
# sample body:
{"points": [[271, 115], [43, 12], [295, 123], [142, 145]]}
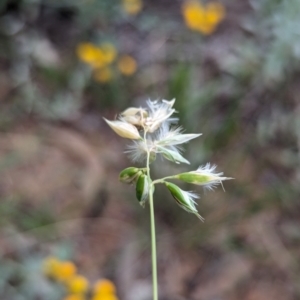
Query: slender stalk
{"points": [[153, 248], [162, 180], [153, 235]]}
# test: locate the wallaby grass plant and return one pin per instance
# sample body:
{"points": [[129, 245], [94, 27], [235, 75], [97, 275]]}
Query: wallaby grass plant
{"points": [[154, 131]]}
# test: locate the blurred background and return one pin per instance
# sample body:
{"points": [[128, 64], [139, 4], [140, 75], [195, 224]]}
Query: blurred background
{"points": [[234, 69]]}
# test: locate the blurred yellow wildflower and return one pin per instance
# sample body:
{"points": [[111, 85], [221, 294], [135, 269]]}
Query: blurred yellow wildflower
{"points": [[96, 57], [104, 297], [104, 286], [203, 18], [89, 53], [50, 266], [74, 297], [127, 65], [103, 75], [77, 285], [64, 271], [132, 7], [59, 270], [101, 60]]}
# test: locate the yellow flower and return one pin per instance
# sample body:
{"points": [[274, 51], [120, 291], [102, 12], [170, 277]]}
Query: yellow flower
{"points": [[74, 297], [202, 18], [59, 270], [89, 53], [104, 286], [96, 57], [77, 285], [103, 75], [127, 65], [64, 271], [132, 7], [104, 297], [215, 13], [50, 266]]}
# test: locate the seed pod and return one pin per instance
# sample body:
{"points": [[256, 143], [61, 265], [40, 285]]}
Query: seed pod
{"points": [[205, 176], [194, 178], [142, 189], [129, 175], [183, 198]]}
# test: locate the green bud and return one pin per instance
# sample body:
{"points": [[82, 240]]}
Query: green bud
{"points": [[194, 178], [205, 176], [142, 189], [183, 198], [130, 174]]}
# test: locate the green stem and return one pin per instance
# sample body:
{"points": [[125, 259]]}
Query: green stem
{"points": [[153, 248], [153, 236], [162, 180]]}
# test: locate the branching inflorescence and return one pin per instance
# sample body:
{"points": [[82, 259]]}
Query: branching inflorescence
{"points": [[154, 132]]}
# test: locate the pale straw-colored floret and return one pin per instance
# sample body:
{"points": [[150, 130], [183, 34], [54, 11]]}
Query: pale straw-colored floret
{"points": [[173, 136], [124, 129], [134, 116], [160, 112], [165, 141]]}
